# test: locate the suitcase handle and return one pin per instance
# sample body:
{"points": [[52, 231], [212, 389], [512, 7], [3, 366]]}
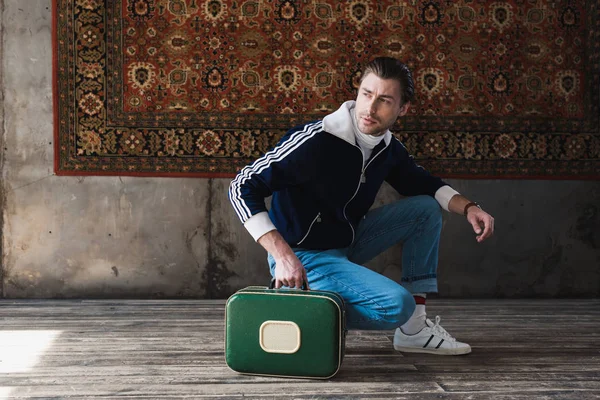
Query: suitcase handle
{"points": [[272, 285]]}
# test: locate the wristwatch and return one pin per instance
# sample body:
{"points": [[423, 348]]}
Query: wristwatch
{"points": [[469, 205]]}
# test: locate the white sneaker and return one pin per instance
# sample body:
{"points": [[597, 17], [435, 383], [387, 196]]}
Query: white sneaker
{"points": [[432, 339]]}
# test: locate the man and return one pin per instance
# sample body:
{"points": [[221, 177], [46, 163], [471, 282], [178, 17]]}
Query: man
{"points": [[324, 177]]}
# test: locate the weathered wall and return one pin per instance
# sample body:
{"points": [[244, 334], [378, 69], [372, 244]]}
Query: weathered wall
{"points": [[1, 140], [167, 237]]}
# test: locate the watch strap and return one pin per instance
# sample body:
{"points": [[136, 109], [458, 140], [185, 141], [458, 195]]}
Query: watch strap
{"points": [[469, 205]]}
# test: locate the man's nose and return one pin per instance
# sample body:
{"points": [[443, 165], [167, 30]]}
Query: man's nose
{"points": [[372, 107]]}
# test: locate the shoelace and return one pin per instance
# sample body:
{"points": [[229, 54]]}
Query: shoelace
{"points": [[438, 330]]}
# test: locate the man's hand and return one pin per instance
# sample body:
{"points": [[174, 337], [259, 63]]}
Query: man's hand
{"points": [[289, 271], [482, 222]]}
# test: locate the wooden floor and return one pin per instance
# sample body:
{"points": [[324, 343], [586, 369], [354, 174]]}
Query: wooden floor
{"points": [[534, 349]]}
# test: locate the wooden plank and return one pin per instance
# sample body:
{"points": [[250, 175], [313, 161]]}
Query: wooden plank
{"points": [[233, 388], [399, 374], [550, 395]]}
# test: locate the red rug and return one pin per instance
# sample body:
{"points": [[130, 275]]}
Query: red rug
{"points": [[505, 89]]}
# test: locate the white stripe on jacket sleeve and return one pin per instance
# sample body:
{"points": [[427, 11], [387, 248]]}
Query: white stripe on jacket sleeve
{"points": [[275, 155]]}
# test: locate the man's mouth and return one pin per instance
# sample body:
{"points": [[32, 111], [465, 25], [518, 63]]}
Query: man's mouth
{"points": [[368, 119]]}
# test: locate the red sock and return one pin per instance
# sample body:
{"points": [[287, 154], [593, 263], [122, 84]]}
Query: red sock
{"points": [[420, 298]]}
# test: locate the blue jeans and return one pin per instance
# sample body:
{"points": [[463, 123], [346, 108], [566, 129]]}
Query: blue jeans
{"points": [[374, 301]]}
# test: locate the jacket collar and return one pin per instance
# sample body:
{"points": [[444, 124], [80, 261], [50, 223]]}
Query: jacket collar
{"points": [[339, 123]]}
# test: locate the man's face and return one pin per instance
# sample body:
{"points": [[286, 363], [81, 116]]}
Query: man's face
{"points": [[378, 105]]}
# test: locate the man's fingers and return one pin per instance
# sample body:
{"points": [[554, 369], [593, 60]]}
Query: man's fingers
{"points": [[485, 228], [483, 225], [488, 229], [305, 278], [289, 282], [296, 279], [296, 282], [476, 227]]}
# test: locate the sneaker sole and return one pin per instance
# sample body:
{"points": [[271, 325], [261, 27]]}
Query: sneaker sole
{"points": [[440, 352]]}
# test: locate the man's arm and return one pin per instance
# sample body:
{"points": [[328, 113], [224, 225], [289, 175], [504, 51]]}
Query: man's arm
{"points": [[476, 216], [288, 164], [289, 271]]}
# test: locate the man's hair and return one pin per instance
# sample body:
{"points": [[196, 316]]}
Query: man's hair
{"points": [[391, 68]]}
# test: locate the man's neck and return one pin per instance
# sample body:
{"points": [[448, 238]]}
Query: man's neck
{"points": [[363, 140]]}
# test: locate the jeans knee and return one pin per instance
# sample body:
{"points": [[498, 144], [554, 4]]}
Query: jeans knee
{"points": [[431, 209]]}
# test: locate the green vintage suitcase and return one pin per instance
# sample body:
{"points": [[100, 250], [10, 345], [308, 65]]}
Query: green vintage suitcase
{"points": [[285, 332]]}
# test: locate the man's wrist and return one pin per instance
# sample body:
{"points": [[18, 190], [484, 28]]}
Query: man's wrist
{"points": [[469, 205]]}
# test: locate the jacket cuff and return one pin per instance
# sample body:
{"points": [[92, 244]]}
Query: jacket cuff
{"points": [[443, 196], [259, 224]]}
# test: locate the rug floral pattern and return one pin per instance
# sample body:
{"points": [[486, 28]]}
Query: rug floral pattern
{"points": [[504, 89]]}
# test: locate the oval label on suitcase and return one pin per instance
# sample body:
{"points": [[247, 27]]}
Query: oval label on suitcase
{"points": [[279, 337]]}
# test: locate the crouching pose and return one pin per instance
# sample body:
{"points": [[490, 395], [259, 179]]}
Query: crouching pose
{"points": [[320, 229]]}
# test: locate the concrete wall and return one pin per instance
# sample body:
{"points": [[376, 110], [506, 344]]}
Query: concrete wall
{"points": [[167, 237]]}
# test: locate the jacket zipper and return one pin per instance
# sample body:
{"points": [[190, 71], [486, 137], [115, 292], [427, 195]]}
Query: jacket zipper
{"points": [[317, 219], [361, 180]]}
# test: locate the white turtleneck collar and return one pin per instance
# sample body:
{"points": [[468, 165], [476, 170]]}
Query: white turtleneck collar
{"points": [[366, 142]]}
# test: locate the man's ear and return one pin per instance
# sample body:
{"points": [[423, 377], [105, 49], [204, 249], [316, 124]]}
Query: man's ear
{"points": [[404, 109]]}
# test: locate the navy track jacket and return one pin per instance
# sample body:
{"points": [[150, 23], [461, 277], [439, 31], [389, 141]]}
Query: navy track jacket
{"points": [[319, 186]]}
